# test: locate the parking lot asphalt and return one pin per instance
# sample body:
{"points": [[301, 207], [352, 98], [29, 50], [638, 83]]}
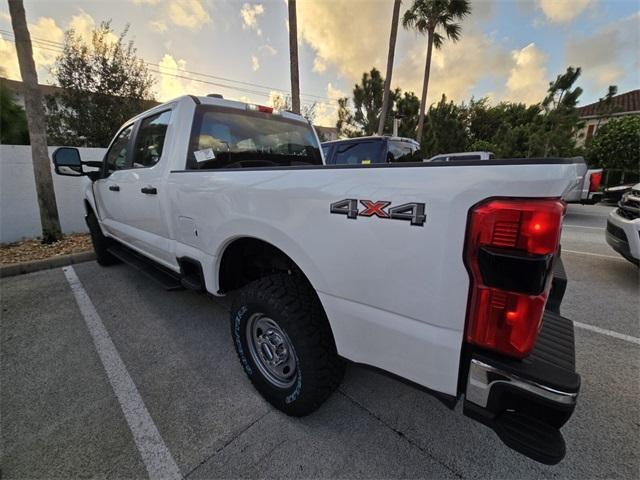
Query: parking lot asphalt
{"points": [[61, 417]]}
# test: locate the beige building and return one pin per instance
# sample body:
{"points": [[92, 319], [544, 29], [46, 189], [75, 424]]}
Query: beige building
{"points": [[595, 115]]}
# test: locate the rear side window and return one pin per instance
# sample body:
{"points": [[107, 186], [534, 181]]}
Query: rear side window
{"points": [[358, 153], [116, 158], [150, 140], [400, 152]]}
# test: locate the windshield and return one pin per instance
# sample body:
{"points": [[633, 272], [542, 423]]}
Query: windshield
{"points": [[232, 138]]}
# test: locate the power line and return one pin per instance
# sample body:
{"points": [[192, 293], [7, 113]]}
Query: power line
{"points": [[51, 46]]}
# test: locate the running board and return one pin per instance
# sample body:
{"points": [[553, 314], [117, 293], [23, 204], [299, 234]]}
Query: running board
{"points": [[166, 278]]}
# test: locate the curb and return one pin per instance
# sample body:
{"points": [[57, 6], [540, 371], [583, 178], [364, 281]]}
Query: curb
{"points": [[46, 264]]}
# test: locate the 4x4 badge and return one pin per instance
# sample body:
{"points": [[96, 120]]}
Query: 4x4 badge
{"points": [[412, 212]]}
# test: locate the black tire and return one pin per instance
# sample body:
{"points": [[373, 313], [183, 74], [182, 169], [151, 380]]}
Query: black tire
{"points": [[291, 303], [100, 242]]}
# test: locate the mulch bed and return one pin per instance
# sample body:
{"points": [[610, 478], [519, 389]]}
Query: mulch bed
{"points": [[34, 249]]}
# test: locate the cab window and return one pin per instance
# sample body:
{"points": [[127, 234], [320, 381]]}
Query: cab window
{"points": [[116, 157], [150, 140]]}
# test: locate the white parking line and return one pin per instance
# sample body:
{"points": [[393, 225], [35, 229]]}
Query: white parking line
{"points": [[609, 333], [582, 226], [155, 454], [564, 250]]}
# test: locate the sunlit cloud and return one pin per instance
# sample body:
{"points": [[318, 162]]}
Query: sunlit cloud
{"points": [[528, 78], [563, 11], [250, 14]]}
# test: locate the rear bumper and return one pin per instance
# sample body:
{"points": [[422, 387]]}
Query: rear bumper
{"points": [[527, 401]]}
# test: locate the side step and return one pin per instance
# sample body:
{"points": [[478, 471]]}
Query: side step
{"points": [[166, 278], [531, 437]]}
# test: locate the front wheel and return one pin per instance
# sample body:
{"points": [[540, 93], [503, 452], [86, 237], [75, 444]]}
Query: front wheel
{"points": [[100, 242], [285, 344]]}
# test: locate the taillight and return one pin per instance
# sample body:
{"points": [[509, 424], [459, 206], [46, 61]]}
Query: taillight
{"points": [[509, 251], [595, 179]]}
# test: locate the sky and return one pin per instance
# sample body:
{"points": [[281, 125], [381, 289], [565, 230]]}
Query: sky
{"points": [[509, 50]]}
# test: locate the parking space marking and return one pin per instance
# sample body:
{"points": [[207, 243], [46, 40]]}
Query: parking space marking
{"points": [[155, 454], [577, 252], [609, 333], [581, 226]]}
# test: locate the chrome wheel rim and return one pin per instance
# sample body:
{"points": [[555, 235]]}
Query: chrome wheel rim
{"points": [[271, 351]]}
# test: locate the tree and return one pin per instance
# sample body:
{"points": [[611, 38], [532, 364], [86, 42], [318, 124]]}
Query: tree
{"points": [[430, 17], [282, 103], [446, 132], [408, 110], [104, 84], [606, 107], [36, 122], [293, 57], [554, 133], [13, 120], [367, 102], [616, 145], [387, 83]]}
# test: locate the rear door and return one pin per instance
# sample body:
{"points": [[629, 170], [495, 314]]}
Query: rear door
{"points": [[107, 189], [143, 191]]}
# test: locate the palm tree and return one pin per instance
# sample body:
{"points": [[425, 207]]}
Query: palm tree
{"points": [[428, 17], [37, 125], [392, 49], [293, 57]]}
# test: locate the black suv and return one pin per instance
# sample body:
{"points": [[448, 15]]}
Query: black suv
{"points": [[364, 150]]}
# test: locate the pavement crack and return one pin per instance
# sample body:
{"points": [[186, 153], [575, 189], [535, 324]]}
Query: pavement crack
{"points": [[400, 434], [226, 444]]}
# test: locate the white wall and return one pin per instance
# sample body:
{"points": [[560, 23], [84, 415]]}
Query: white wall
{"points": [[19, 216]]}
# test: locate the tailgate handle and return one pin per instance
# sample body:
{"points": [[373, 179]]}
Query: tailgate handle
{"points": [[149, 190], [114, 188]]}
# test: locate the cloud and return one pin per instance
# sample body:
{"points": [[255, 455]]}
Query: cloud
{"points": [[267, 50], [563, 11], [609, 53], [43, 30], [5, 16], [326, 110], [318, 65], [171, 87], [9, 67], [250, 14], [338, 41], [158, 25], [145, 2], [456, 68], [528, 81], [190, 14], [255, 63], [353, 47]]}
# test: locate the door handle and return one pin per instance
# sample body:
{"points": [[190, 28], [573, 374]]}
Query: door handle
{"points": [[114, 188], [149, 190]]}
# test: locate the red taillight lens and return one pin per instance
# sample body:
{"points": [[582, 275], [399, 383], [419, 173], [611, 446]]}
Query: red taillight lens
{"points": [[595, 179], [499, 319], [263, 109]]}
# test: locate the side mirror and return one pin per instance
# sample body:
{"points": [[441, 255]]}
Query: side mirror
{"points": [[67, 162]]}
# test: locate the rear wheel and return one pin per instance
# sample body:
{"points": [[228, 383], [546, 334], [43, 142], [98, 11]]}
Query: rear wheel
{"points": [[285, 344], [100, 242]]}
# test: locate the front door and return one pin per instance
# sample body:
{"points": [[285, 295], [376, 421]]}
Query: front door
{"points": [[107, 189]]}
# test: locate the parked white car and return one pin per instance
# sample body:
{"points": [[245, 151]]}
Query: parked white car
{"points": [[438, 273], [623, 226]]}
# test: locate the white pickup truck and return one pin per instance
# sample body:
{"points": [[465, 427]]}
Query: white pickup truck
{"points": [[444, 274]]}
